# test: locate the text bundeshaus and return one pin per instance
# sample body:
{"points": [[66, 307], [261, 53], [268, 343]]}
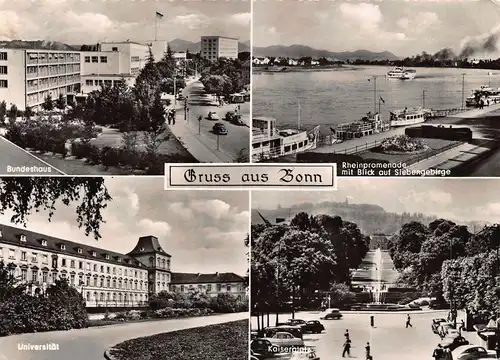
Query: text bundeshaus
{"points": [[262, 176]]}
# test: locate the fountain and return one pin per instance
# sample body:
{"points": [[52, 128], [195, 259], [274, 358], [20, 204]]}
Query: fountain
{"points": [[379, 288]]}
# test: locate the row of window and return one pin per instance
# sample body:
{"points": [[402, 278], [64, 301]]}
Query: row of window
{"points": [[39, 97], [95, 59], [126, 298], [72, 264], [43, 58], [39, 71]]}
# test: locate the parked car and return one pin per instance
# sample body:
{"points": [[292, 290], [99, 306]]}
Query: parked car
{"points": [[261, 348], [295, 322], [438, 305], [219, 129], [285, 339], [294, 330], [453, 342], [331, 314], [313, 326], [436, 323], [472, 352], [212, 115], [303, 355]]}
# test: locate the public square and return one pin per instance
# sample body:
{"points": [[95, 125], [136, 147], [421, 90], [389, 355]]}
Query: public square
{"points": [[389, 339]]}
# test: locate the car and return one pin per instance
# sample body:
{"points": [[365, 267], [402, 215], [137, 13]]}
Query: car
{"points": [[436, 323], [331, 314], [296, 331], [472, 352], [313, 326], [261, 348], [284, 340], [219, 129], [212, 115], [309, 354], [453, 342], [295, 322]]}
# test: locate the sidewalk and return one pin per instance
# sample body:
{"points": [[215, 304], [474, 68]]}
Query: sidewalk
{"points": [[199, 147]]}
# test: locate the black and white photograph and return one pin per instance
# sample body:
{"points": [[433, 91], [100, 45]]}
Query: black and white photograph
{"points": [[365, 273], [119, 269], [411, 85], [123, 87]]}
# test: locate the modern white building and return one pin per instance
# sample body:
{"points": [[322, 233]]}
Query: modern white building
{"points": [[116, 61], [105, 278], [215, 47], [27, 77]]}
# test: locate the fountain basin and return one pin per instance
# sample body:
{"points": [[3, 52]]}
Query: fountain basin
{"points": [[382, 307]]}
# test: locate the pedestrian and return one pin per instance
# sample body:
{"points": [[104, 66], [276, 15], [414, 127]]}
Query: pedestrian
{"points": [[462, 325], [372, 321], [408, 321], [346, 334], [438, 353], [367, 349], [347, 349]]}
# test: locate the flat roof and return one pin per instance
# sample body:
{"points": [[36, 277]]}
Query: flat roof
{"points": [[108, 75], [124, 42], [217, 36]]}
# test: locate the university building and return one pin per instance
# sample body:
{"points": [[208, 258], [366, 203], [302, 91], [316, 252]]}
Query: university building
{"points": [[215, 47], [105, 278], [27, 77]]}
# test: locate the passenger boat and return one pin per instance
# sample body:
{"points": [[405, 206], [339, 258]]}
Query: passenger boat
{"points": [[400, 73], [269, 142], [484, 96], [407, 117], [368, 125]]}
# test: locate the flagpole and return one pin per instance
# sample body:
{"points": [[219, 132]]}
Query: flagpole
{"points": [[156, 24]]}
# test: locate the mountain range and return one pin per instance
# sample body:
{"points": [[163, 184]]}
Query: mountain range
{"points": [[298, 51], [176, 45], [370, 218]]}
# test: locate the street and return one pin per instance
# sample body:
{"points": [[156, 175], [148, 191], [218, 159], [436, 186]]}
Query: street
{"points": [[389, 339], [90, 343], [13, 156], [235, 144]]}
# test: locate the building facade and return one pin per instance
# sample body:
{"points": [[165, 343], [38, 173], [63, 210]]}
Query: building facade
{"points": [[210, 284], [27, 77], [116, 61], [215, 47], [105, 278]]}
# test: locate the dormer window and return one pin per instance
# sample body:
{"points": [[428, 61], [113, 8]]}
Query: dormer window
{"points": [[44, 242], [1, 234], [129, 261], [106, 257], [80, 251], [63, 247], [23, 238], [140, 264], [142, 249], [119, 259], [94, 254]]}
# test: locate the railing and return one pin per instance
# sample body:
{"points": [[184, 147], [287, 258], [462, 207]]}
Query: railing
{"points": [[358, 148], [444, 112], [434, 152]]}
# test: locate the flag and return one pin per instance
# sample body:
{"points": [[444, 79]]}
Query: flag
{"points": [[159, 15], [381, 99]]}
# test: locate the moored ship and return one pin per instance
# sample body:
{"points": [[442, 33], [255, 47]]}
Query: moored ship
{"points": [[269, 142], [400, 73], [407, 117], [368, 125]]}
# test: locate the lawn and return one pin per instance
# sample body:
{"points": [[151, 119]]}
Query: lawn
{"points": [[227, 341]]}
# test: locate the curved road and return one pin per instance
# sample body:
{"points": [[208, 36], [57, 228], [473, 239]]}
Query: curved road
{"points": [[90, 343], [16, 161]]}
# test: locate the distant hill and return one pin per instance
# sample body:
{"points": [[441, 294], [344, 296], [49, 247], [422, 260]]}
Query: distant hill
{"points": [[298, 51], [370, 218], [37, 44], [194, 47]]}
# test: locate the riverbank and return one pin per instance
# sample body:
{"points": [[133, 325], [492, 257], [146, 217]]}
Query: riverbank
{"points": [[291, 69]]}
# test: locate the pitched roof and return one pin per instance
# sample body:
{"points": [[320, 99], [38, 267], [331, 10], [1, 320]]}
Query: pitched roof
{"points": [[193, 278], [148, 245], [12, 235]]}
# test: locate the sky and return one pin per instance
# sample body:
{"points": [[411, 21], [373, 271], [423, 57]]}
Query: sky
{"points": [[452, 199], [91, 21], [402, 27], [204, 231]]}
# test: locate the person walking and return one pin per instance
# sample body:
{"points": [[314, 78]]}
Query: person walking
{"points": [[368, 351], [347, 348], [438, 353], [408, 321]]}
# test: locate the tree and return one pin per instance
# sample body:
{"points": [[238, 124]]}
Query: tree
{"points": [[3, 111], [23, 195], [61, 102], [12, 114], [153, 123], [48, 103], [341, 295], [9, 285], [28, 113]]}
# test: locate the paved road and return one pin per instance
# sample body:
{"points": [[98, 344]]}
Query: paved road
{"points": [[15, 161], [90, 344], [389, 340], [238, 138]]}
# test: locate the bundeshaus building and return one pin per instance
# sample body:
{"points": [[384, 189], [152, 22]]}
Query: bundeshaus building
{"points": [[105, 278]]}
